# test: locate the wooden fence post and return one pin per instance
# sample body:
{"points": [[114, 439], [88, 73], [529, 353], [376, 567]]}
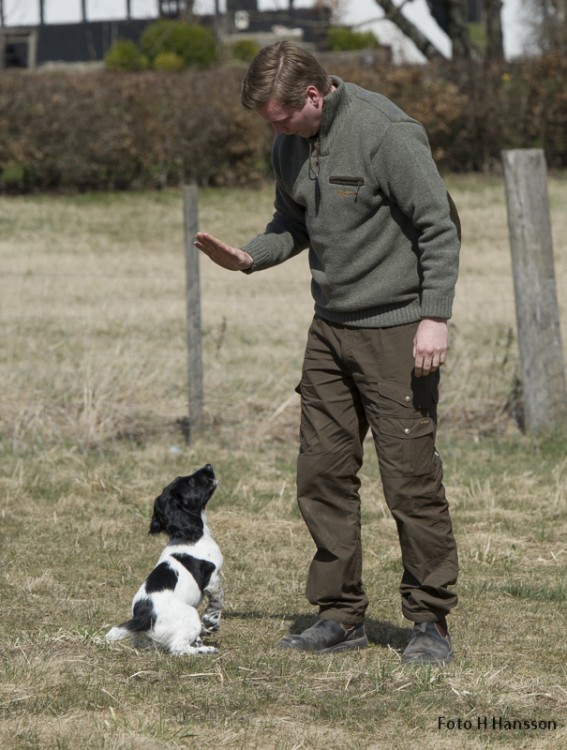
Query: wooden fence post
{"points": [[539, 334], [193, 296]]}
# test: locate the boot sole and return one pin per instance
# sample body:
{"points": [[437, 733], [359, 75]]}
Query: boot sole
{"points": [[357, 643], [425, 659]]}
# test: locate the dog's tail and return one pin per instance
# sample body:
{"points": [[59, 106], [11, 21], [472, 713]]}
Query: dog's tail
{"points": [[142, 620]]}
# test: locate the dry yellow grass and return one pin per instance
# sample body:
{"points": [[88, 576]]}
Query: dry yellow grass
{"points": [[93, 371]]}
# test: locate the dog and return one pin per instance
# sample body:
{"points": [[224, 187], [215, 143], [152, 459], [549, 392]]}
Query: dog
{"points": [[164, 610]]}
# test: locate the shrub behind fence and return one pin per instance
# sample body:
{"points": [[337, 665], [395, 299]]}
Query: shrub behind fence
{"points": [[145, 130]]}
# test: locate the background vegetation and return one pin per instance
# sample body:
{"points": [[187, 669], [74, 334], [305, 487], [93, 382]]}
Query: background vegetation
{"points": [[167, 46], [195, 46], [156, 129], [92, 412]]}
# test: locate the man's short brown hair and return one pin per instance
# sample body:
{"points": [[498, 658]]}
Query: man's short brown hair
{"points": [[282, 71]]}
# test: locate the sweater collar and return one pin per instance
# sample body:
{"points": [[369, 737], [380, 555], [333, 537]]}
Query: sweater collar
{"points": [[334, 104]]}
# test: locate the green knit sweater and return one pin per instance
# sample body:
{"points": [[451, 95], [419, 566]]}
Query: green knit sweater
{"points": [[372, 209]]}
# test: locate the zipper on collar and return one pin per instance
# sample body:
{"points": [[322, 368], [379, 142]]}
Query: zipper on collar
{"points": [[315, 169]]}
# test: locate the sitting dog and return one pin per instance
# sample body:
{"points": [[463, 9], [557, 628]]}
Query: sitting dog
{"points": [[164, 610]]}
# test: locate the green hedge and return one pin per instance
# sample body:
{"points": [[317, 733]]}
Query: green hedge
{"points": [[343, 39], [194, 44], [127, 130], [125, 55], [149, 129]]}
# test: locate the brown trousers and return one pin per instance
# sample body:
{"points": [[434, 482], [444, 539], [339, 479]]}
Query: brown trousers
{"points": [[354, 379]]}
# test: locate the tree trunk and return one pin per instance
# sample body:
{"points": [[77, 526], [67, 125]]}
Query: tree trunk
{"points": [[494, 35], [458, 30]]}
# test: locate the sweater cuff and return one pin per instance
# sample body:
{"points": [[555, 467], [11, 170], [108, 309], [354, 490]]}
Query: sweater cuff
{"points": [[260, 255], [436, 307]]}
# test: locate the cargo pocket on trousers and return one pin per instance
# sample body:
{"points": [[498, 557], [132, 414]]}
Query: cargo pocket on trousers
{"points": [[422, 396], [407, 446]]}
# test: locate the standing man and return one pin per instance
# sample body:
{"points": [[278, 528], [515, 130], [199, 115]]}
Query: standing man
{"points": [[357, 185]]}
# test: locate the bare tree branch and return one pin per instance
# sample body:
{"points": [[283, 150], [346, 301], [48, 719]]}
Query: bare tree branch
{"points": [[423, 44]]}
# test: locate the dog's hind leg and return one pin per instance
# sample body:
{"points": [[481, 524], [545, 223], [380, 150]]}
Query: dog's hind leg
{"points": [[212, 617]]}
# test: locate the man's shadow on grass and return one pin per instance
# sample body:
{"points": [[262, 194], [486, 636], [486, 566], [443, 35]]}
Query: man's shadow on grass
{"points": [[381, 633]]}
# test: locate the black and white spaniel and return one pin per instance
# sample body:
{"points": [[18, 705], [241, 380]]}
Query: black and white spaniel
{"points": [[164, 610]]}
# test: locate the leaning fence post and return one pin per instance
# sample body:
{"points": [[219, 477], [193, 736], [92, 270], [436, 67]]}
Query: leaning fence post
{"points": [[537, 314], [193, 296]]}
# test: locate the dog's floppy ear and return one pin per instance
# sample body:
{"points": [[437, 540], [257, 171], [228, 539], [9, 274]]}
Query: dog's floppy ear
{"points": [[156, 523], [172, 516]]}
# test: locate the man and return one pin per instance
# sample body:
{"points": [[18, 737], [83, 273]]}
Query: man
{"points": [[357, 185]]}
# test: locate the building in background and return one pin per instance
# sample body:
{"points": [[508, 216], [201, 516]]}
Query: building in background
{"points": [[86, 41]]}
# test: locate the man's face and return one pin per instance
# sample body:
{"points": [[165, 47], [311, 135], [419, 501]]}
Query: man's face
{"points": [[304, 122]]}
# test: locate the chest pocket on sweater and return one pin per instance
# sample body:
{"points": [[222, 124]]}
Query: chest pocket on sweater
{"points": [[347, 187]]}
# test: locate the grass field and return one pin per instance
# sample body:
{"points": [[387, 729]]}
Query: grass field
{"points": [[93, 367]]}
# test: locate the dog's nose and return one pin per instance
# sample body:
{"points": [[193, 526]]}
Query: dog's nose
{"points": [[210, 475]]}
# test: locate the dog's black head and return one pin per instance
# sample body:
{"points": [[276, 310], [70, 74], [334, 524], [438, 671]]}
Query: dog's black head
{"points": [[178, 510]]}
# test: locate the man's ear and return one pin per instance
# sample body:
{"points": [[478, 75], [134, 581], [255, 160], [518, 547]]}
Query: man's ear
{"points": [[314, 96]]}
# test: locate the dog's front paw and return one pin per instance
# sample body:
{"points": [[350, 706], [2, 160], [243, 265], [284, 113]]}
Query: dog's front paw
{"points": [[192, 649], [211, 622], [206, 650]]}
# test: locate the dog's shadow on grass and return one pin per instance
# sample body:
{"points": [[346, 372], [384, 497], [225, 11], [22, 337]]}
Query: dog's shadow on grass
{"points": [[379, 632]]}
